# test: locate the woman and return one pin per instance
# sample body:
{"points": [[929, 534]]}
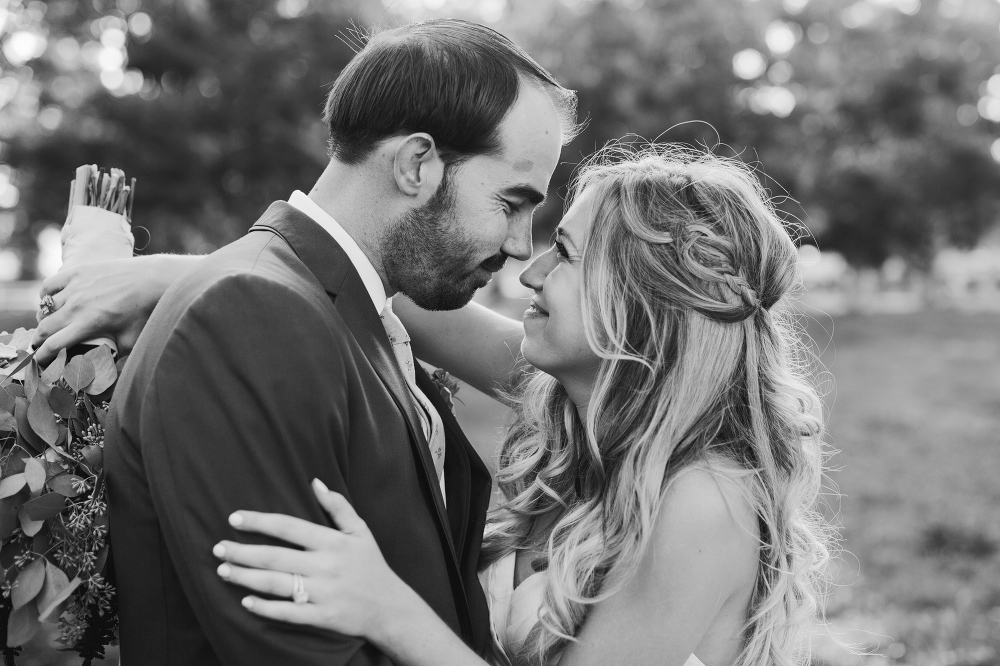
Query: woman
{"points": [[661, 475]]}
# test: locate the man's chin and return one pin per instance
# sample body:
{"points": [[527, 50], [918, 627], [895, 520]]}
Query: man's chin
{"points": [[451, 297]]}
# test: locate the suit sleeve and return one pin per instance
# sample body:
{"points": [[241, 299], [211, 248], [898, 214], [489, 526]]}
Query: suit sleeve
{"points": [[248, 403]]}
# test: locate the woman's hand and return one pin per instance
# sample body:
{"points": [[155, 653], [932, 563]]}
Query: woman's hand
{"points": [[350, 588], [108, 298]]}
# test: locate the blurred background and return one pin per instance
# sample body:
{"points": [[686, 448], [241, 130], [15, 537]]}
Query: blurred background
{"points": [[876, 122]]}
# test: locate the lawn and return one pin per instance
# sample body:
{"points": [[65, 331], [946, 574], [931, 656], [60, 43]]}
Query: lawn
{"points": [[914, 410]]}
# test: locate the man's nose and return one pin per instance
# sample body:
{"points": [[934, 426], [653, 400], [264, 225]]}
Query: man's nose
{"points": [[518, 241]]}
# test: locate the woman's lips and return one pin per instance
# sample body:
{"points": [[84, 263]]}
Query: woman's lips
{"points": [[535, 310]]}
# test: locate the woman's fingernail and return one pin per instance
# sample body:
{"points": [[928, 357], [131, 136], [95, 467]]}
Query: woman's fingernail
{"points": [[225, 570], [247, 602], [236, 519], [320, 486], [219, 550]]}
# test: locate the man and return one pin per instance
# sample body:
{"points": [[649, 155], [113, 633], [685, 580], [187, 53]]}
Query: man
{"points": [[278, 359]]}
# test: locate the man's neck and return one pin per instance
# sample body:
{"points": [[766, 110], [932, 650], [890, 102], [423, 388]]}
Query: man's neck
{"points": [[346, 192]]}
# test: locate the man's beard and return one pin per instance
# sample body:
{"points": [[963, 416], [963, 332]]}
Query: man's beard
{"points": [[427, 256]]}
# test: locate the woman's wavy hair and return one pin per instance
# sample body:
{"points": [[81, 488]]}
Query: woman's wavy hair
{"points": [[687, 276]]}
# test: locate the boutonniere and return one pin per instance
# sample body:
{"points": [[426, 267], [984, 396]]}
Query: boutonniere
{"points": [[447, 386]]}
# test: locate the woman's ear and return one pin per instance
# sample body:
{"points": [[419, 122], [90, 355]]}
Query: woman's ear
{"points": [[417, 166]]}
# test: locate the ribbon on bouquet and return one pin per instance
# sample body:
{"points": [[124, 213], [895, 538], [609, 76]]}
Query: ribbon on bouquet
{"points": [[98, 223]]}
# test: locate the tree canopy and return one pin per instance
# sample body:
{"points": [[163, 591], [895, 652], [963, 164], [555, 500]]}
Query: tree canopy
{"points": [[876, 123]]}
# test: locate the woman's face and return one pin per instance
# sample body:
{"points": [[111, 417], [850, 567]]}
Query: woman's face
{"points": [[554, 341]]}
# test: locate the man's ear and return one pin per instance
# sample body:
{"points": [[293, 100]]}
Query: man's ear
{"points": [[417, 165]]}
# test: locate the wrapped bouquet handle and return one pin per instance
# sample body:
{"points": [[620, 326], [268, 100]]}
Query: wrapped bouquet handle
{"points": [[99, 220]]}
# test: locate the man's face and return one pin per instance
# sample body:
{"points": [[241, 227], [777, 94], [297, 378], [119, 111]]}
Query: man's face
{"points": [[440, 253]]}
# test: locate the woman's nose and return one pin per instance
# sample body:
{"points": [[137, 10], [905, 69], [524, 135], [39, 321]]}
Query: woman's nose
{"points": [[534, 275]]}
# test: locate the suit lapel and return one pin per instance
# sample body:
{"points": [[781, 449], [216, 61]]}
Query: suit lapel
{"points": [[324, 257]]}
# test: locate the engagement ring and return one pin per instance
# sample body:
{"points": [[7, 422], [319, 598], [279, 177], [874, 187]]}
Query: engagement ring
{"points": [[299, 594], [46, 306]]}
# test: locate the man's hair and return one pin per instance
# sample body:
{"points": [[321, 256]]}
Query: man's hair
{"points": [[452, 79]]}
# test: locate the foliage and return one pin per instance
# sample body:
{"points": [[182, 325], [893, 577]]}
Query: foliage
{"points": [[53, 512], [865, 113]]}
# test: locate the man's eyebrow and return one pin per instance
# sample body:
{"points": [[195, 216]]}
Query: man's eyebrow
{"points": [[526, 192]]}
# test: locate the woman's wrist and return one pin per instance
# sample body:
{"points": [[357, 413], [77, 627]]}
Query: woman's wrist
{"points": [[163, 270]]}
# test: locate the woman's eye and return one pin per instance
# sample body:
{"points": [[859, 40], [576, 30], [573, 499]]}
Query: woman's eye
{"points": [[561, 250]]}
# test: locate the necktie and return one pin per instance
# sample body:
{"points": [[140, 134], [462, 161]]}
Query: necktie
{"points": [[429, 418]]}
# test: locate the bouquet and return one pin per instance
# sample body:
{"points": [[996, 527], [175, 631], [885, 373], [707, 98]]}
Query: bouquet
{"points": [[53, 510]]}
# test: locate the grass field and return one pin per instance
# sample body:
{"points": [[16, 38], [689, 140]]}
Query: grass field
{"points": [[915, 413], [914, 410]]}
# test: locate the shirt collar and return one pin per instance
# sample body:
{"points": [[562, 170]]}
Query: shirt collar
{"points": [[369, 276]]}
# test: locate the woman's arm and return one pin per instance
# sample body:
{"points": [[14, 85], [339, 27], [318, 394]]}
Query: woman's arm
{"points": [[351, 590], [113, 298], [691, 591], [473, 343]]}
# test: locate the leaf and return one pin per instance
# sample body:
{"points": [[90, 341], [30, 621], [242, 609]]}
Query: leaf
{"points": [[23, 625], [42, 420], [7, 422], [29, 526], [52, 373], [12, 485], [43, 507], [34, 474], [105, 373], [54, 609], [62, 401], [24, 431], [21, 340], [6, 401], [8, 516], [79, 373], [55, 582], [92, 454], [29, 583], [31, 380], [62, 484]]}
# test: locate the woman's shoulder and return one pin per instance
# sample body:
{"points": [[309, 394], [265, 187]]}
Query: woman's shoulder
{"points": [[707, 514]]}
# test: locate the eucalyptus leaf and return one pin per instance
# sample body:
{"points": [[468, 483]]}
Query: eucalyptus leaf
{"points": [[52, 611], [28, 526], [34, 474], [52, 373], [62, 484], [12, 485], [8, 516], [29, 583], [6, 401], [7, 422], [31, 380], [44, 507], [79, 373], [42, 420], [23, 625], [62, 401], [21, 340], [25, 434], [55, 582], [105, 373]]}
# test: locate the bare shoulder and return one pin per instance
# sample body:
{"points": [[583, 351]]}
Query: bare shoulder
{"points": [[706, 517]]}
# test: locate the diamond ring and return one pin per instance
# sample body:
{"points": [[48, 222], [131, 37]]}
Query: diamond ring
{"points": [[46, 306], [299, 594]]}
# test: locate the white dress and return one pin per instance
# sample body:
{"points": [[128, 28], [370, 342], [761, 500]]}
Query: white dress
{"points": [[513, 612]]}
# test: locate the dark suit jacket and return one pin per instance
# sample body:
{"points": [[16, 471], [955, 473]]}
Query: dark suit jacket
{"points": [[262, 368]]}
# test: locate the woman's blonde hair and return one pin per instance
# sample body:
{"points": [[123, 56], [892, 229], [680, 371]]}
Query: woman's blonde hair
{"points": [[686, 277]]}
